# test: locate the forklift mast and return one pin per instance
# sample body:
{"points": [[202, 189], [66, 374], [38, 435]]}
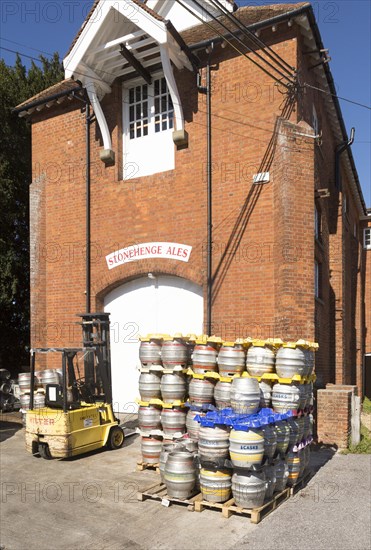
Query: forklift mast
{"points": [[96, 335]]}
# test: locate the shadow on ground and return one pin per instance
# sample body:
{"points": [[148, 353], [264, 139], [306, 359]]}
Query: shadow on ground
{"points": [[320, 455], [8, 429]]}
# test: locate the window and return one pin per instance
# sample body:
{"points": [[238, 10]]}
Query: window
{"points": [[148, 124], [345, 204], [317, 279], [138, 111], [317, 223], [150, 109], [367, 238], [315, 123], [164, 110]]}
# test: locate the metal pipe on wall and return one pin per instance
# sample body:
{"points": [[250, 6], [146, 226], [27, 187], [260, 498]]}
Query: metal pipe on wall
{"points": [[87, 228], [207, 91], [209, 199]]}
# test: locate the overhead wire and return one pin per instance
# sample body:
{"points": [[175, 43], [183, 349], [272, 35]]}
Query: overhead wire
{"points": [[306, 85], [221, 7], [23, 54], [219, 22], [231, 44], [254, 38], [25, 46]]}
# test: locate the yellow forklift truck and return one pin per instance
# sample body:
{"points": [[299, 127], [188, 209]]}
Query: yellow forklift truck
{"points": [[77, 417]]}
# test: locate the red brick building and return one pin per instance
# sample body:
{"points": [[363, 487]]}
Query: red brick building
{"points": [[287, 213]]}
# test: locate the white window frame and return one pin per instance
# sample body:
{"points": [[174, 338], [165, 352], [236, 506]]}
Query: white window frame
{"points": [[153, 120], [149, 154], [367, 238]]}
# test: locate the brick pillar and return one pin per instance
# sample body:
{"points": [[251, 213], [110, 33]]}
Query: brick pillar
{"points": [[293, 197], [334, 407], [38, 255]]}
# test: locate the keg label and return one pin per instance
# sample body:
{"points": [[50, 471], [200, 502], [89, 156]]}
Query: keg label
{"points": [[144, 251]]}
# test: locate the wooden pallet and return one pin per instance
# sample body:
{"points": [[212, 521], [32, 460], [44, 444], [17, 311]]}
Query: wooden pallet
{"points": [[302, 482], [255, 514], [145, 466], [158, 492]]}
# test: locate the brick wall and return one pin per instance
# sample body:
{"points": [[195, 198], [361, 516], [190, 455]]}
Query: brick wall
{"points": [[263, 236], [366, 257], [339, 311], [334, 414]]}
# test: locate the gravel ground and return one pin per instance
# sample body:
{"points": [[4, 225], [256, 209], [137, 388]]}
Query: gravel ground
{"points": [[91, 503]]}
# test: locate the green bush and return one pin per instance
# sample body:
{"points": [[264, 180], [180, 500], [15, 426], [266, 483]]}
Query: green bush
{"points": [[366, 406], [364, 446]]}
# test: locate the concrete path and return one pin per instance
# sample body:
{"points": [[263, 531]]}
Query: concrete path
{"points": [[91, 503]]}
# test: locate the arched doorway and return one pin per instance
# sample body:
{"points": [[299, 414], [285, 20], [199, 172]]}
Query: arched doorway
{"points": [[163, 304]]}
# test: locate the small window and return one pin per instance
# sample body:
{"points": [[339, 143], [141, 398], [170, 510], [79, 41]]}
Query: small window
{"points": [[317, 223], [146, 101], [138, 111], [315, 123], [164, 110], [148, 125], [317, 280], [367, 238], [345, 204]]}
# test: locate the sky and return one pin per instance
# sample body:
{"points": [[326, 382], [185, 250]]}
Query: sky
{"points": [[46, 26]]}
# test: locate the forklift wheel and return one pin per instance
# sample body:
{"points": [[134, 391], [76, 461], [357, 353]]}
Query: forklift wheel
{"points": [[44, 451], [115, 438]]}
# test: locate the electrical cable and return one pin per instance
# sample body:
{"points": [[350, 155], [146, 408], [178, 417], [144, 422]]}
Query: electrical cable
{"points": [[306, 85], [25, 46], [270, 52], [23, 54], [219, 22], [232, 45]]}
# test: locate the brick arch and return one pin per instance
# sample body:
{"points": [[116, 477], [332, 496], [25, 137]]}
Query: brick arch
{"points": [[134, 270]]}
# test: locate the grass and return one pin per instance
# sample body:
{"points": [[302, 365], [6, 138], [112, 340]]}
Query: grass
{"points": [[366, 406], [364, 446]]}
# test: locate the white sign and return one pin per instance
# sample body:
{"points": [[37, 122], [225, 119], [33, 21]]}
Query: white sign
{"points": [[144, 251]]}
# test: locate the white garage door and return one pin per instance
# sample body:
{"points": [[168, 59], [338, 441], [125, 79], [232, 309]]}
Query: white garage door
{"points": [[164, 304]]}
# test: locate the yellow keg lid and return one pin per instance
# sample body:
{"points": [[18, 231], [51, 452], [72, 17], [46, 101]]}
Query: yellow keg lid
{"points": [[167, 338], [274, 342], [155, 336], [217, 473], [259, 343], [303, 343], [144, 338], [289, 345], [215, 339], [228, 344], [201, 339]]}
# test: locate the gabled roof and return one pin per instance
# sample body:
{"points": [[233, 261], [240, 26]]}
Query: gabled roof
{"points": [[254, 17], [140, 4], [248, 15]]}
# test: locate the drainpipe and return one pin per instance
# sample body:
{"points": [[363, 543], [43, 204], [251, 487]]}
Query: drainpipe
{"points": [[339, 150], [207, 90], [88, 121]]}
